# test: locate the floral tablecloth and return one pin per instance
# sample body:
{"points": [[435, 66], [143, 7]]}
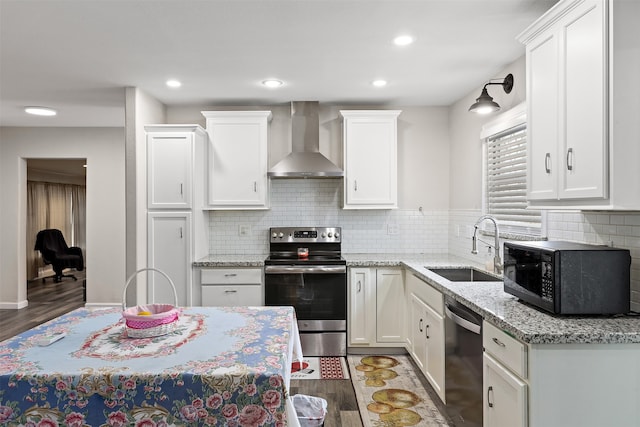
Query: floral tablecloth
{"points": [[222, 366]]}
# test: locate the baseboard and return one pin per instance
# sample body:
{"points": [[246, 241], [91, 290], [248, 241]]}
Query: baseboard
{"points": [[376, 350], [13, 305]]}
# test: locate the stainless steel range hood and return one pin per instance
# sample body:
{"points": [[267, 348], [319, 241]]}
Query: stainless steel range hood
{"points": [[305, 159]]}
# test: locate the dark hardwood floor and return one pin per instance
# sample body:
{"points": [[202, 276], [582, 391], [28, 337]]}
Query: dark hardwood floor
{"points": [[342, 407], [47, 301]]}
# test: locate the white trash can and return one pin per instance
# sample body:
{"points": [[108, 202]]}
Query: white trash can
{"points": [[310, 410]]}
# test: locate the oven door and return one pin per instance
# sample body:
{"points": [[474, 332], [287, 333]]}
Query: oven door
{"points": [[318, 294]]}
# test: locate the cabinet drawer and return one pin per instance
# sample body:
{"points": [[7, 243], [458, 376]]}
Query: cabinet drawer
{"points": [[231, 296], [427, 293], [508, 350], [231, 276]]}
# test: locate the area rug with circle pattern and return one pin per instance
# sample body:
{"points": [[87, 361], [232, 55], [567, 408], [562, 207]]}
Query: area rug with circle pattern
{"points": [[389, 393]]}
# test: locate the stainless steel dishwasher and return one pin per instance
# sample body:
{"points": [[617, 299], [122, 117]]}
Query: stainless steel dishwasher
{"points": [[463, 364]]}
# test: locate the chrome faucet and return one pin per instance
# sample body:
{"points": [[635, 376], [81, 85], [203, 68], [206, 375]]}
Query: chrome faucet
{"points": [[497, 261]]}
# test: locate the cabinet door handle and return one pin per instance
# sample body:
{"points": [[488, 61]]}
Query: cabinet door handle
{"points": [[489, 395], [181, 193], [420, 326], [355, 185], [427, 333], [181, 232], [255, 186], [230, 275], [547, 163], [230, 291], [570, 159], [497, 341], [359, 286]]}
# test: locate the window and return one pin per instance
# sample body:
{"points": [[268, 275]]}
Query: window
{"points": [[505, 170]]}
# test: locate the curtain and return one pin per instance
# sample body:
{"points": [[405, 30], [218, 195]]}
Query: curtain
{"points": [[53, 205], [37, 214]]}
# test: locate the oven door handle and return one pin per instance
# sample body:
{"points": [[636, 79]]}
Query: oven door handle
{"points": [[295, 269]]}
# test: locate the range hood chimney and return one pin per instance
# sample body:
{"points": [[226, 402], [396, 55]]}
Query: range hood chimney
{"points": [[305, 159]]}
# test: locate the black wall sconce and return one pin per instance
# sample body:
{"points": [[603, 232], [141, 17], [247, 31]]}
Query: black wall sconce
{"points": [[484, 103]]}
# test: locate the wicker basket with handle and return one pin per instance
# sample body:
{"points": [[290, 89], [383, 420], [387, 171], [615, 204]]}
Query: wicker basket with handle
{"points": [[159, 319]]}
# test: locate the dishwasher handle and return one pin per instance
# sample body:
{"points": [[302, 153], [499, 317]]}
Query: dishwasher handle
{"points": [[459, 320]]}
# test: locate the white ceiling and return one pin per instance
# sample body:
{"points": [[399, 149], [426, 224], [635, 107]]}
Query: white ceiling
{"points": [[78, 56]]}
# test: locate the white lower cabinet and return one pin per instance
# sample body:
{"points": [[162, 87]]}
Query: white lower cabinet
{"points": [[229, 287], [376, 307], [505, 396], [169, 251], [361, 317], [504, 370], [425, 338], [415, 336], [390, 306]]}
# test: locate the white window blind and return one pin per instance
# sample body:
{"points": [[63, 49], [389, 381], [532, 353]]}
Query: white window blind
{"points": [[506, 182]]}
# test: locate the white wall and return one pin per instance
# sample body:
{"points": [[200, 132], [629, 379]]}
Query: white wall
{"points": [[141, 110], [465, 165], [105, 258]]}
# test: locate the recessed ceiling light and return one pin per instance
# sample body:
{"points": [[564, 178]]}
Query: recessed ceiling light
{"points": [[40, 111], [174, 83], [403, 40], [272, 83], [379, 83]]}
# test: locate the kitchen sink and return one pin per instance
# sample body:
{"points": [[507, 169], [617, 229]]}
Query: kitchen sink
{"points": [[465, 275]]}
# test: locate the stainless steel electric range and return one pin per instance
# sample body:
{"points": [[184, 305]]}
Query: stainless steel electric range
{"points": [[305, 269]]}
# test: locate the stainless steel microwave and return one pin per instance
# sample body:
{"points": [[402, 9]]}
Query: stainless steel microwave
{"points": [[568, 278]]}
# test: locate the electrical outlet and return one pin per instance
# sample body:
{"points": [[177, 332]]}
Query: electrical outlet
{"points": [[244, 230], [393, 228]]}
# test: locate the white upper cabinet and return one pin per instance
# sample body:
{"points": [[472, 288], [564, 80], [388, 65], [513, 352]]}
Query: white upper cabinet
{"points": [[581, 111], [170, 165], [370, 158], [237, 155]]}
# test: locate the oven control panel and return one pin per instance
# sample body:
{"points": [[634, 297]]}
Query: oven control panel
{"points": [[305, 234]]}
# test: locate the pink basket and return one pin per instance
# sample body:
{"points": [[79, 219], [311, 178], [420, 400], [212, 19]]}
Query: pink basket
{"points": [[161, 314], [162, 320]]}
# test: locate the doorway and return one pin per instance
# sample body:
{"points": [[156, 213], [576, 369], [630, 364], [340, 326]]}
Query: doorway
{"points": [[56, 199]]}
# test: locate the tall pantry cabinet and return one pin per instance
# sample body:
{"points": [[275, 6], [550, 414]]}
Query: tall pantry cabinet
{"points": [[176, 222], [583, 60]]}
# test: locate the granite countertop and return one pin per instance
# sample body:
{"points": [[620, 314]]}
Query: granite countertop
{"points": [[231, 261], [526, 323], [488, 299]]}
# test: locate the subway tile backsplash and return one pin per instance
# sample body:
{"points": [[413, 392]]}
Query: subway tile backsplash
{"points": [[619, 229], [318, 202]]}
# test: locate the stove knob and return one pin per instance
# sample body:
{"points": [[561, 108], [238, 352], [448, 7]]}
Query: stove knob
{"points": [[330, 234], [274, 235], [324, 234], [337, 235], [281, 235]]}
